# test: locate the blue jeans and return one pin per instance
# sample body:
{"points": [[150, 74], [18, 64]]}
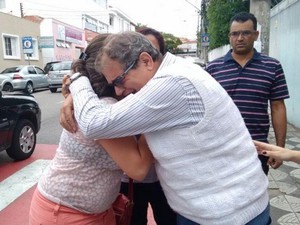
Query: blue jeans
{"points": [[262, 219], [184, 221]]}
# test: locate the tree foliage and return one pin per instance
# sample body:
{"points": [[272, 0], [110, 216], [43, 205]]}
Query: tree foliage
{"points": [[139, 25], [171, 41], [219, 13]]}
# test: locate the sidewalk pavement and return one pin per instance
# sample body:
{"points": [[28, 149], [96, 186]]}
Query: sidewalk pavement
{"points": [[284, 185]]}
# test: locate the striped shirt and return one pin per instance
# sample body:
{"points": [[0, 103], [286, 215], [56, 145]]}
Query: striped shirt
{"points": [[165, 102], [251, 87]]}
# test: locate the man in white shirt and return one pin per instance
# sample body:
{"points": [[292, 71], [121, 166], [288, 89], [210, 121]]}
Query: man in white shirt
{"points": [[205, 159]]}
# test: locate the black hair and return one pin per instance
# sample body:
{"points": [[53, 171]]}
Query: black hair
{"points": [[243, 17], [86, 66], [157, 35]]}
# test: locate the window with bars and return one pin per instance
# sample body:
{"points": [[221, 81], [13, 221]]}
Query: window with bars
{"points": [[11, 46], [8, 48]]}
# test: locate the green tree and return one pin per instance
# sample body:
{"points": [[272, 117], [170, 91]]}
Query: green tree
{"points": [[171, 42], [139, 25], [219, 13]]}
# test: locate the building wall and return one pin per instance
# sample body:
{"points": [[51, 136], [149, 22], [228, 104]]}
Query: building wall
{"points": [[68, 41], [68, 11], [284, 45], [119, 21], [88, 17], [18, 28]]}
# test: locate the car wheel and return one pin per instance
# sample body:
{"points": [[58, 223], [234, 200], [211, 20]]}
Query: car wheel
{"points": [[8, 87], [29, 88], [23, 142], [53, 90]]}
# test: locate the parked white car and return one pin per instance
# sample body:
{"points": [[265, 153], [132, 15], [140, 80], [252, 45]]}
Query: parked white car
{"points": [[196, 60], [24, 77], [56, 73], [6, 83]]}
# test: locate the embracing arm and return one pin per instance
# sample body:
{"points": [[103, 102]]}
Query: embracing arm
{"points": [[152, 108], [67, 119], [133, 157]]}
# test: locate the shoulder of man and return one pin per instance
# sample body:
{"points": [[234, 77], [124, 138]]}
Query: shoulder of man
{"points": [[220, 60], [270, 62], [267, 58], [215, 63]]}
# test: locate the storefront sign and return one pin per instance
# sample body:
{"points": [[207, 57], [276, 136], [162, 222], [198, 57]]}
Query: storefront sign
{"points": [[46, 42]]}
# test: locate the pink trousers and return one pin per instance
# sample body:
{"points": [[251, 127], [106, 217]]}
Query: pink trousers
{"points": [[45, 212]]}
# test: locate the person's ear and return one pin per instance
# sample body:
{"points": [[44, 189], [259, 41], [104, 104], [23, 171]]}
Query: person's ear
{"points": [[146, 60]]}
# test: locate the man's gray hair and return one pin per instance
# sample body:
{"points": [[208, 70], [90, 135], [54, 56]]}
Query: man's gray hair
{"points": [[126, 48]]}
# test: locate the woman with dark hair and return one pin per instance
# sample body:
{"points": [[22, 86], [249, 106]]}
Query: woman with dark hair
{"points": [[83, 179]]}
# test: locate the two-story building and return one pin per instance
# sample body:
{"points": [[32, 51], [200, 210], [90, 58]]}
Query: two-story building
{"points": [[13, 31], [59, 30]]}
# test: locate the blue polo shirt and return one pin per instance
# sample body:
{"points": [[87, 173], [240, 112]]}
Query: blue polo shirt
{"points": [[251, 87]]}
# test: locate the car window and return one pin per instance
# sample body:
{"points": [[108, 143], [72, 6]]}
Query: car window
{"points": [[31, 70], [12, 70], [56, 66], [66, 66], [49, 66], [25, 71], [39, 70], [61, 66]]}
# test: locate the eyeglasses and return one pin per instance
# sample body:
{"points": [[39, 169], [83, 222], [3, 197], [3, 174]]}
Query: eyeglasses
{"points": [[244, 33], [119, 80]]}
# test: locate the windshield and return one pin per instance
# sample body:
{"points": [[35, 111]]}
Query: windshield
{"points": [[61, 66]]}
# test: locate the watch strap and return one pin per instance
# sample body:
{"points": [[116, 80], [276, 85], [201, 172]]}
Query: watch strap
{"points": [[74, 77]]}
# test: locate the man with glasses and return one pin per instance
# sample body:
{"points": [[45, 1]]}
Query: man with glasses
{"points": [[252, 80], [205, 158], [118, 81], [149, 191]]}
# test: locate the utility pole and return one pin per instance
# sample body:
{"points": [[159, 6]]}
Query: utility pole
{"points": [[21, 10], [198, 28], [261, 10], [204, 27], [198, 34]]}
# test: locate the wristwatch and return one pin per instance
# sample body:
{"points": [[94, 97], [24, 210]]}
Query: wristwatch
{"points": [[74, 77], [68, 81]]}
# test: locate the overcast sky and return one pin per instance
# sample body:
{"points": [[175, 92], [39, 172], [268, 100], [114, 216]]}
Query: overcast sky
{"points": [[178, 17]]}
